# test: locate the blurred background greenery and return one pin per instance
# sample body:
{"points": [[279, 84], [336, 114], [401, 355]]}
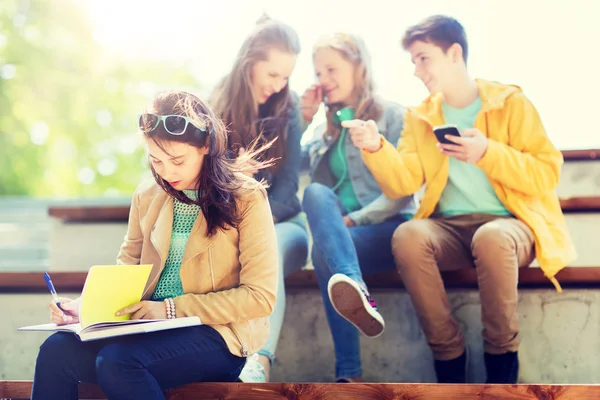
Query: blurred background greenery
{"points": [[68, 106], [75, 73]]}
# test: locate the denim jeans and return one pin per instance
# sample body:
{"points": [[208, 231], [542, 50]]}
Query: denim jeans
{"points": [[357, 250], [133, 367], [292, 241]]}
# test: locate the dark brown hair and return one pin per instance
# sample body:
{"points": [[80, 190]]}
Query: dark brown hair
{"points": [[353, 49], [233, 99], [439, 30], [221, 179]]}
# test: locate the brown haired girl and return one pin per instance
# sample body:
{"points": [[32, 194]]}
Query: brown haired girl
{"points": [[207, 230]]}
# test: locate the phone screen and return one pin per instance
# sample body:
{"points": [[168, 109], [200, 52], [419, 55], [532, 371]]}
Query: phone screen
{"points": [[442, 131]]}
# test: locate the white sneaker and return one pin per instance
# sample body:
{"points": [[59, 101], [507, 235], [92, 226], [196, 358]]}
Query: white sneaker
{"points": [[353, 303], [253, 371]]}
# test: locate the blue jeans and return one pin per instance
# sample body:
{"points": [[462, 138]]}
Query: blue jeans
{"points": [[356, 251], [133, 367], [292, 241]]}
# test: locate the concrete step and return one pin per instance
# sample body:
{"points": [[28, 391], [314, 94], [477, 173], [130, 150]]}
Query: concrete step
{"points": [[29, 239], [75, 247], [559, 336], [579, 178]]}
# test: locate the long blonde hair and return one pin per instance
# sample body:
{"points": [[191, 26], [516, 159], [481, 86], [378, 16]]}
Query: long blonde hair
{"points": [[233, 100], [353, 49]]}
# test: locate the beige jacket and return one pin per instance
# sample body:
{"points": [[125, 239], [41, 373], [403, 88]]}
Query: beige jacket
{"points": [[229, 280]]}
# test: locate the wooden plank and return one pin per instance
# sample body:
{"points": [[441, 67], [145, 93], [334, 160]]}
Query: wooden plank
{"points": [[580, 204], [121, 213], [90, 213], [33, 281], [465, 278], [581, 155], [588, 277], [22, 390], [333, 391]]}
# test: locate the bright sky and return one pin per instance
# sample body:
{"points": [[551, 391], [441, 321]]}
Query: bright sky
{"points": [[548, 48]]}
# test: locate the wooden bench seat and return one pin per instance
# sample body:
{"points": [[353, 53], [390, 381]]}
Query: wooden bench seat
{"points": [[121, 213], [325, 391], [587, 277], [581, 155]]}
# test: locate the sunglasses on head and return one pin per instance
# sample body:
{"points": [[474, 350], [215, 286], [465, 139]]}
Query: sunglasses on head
{"points": [[174, 124]]}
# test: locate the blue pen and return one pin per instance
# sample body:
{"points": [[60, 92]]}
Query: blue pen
{"points": [[54, 295]]}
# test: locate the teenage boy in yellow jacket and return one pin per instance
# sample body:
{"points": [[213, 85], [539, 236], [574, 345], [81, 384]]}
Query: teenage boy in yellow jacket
{"points": [[490, 197]]}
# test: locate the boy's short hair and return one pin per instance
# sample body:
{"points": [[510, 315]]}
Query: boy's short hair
{"points": [[440, 30]]}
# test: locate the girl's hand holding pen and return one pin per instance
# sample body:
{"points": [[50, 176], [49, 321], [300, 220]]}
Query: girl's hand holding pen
{"points": [[70, 314]]}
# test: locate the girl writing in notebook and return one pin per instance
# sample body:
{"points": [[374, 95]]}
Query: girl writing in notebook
{"points": [[256, 103], [206, 228]]}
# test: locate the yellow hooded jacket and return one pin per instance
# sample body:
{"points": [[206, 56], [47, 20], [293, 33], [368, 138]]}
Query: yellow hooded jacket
{"points": [[521, 163]]}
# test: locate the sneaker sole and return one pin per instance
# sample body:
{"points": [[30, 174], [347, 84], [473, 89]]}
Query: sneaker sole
{"points": [[349, 302]]}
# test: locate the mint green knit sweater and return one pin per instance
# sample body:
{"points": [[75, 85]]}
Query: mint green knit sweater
{"points": [[184, 216]]}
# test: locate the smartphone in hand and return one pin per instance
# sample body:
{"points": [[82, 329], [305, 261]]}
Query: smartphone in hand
{"points": [[443, 130]]}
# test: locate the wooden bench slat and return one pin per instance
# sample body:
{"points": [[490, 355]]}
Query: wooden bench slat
{"points": [[581, 155], [465, 278], [121, 213], [33, 282], [580, 204], [90, 213], [327, 391]]}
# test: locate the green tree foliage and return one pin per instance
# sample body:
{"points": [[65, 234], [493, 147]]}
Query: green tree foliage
{"points": [[68, 106]]}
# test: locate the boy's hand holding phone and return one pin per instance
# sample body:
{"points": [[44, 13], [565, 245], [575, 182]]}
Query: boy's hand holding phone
{"points": [[469, 146]]}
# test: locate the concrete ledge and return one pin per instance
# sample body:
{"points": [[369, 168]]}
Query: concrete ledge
{"points": [[558, 332]]}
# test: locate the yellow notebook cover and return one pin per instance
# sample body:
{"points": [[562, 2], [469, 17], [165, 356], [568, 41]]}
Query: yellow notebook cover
{"points": [[109, 288]]}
